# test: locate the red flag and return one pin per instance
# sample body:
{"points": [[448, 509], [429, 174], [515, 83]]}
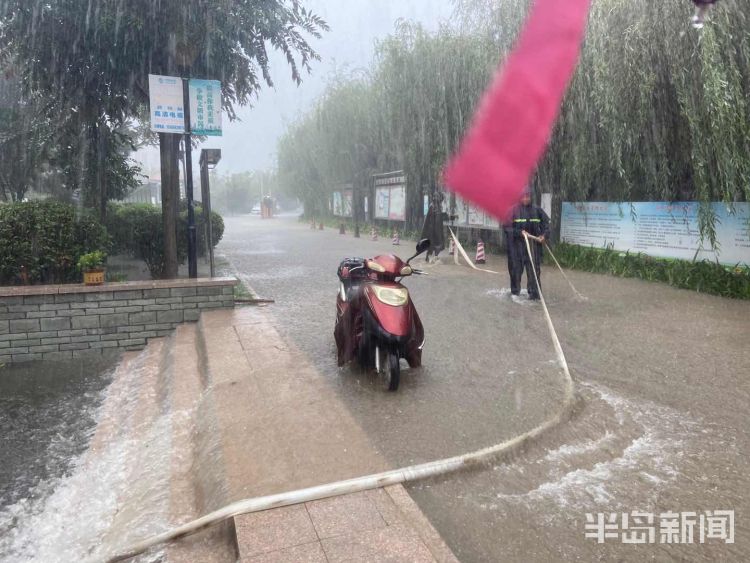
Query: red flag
{"points": [[515, 119]]}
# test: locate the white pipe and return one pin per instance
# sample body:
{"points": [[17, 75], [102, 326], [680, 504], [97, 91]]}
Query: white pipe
{"points": [[528, 236], [374, 481], [578, 294], [466, 256]]}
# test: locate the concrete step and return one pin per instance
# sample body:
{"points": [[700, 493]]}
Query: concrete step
{"points": [[226, 410], [282, 427], [280, 424], [132, 433], [193, 473]]}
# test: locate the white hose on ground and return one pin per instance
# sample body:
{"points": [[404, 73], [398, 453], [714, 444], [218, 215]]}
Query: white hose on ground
{"points": [[377, 480], [466, 256], [540, 241], [578, 294]]}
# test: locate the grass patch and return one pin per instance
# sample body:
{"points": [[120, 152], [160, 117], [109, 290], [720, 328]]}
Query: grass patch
{"points": [[701, 276], [242, 292]]}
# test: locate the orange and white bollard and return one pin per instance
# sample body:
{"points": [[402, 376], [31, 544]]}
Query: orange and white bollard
{"points": [[320, 227], [396, 239], [373, 234], [480, 253]]}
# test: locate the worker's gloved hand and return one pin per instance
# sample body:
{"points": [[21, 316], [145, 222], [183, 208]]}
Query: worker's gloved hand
{"points": [[541, 239]]}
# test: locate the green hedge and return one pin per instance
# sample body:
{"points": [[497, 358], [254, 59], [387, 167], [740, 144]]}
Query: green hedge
{"points": [[41, 241], [701, 276], [136, 230]]}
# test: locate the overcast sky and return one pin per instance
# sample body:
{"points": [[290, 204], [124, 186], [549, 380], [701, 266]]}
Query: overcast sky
{"points": [[355, 24]]}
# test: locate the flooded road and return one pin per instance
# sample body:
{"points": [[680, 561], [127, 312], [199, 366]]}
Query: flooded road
{"points": [[87, 466], [660, 424], [46, 415]]}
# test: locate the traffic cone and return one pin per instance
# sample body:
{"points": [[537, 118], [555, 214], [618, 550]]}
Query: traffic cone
{"points": [[396, 239], [342, 229], [320, 227], [451, 247], [480, 253], [373, 234]]}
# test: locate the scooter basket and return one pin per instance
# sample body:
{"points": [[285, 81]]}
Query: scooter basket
{"points": [[351, 269]]}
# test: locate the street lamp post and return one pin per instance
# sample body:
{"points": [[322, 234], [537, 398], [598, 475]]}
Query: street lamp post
{"points": [[209, 159]]}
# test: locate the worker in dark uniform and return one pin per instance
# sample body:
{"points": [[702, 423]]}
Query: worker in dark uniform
{"points": [[533, 220], [433, 225]]}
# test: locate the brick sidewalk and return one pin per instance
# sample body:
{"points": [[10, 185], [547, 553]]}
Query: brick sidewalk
{"points": [[282, 428], [377, 525]]}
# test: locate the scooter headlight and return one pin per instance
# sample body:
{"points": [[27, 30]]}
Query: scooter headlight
{"points": [[406, 271], [395, 296], [375, 267]]}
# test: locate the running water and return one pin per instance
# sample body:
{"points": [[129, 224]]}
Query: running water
{"points": [[504, 293], [111, 493], [47, 412]]}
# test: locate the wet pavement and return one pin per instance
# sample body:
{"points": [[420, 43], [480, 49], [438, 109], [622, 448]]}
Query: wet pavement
{"points": [[660, 423], [46, 416]]}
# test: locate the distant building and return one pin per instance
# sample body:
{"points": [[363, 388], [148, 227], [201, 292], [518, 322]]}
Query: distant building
{"points": [[150, 190]]}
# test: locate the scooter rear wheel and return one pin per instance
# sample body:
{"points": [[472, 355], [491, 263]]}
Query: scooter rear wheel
{"points": [[390, 369]]}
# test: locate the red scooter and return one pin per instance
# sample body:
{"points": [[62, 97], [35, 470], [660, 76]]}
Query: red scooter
{"points": [[376, 321]]}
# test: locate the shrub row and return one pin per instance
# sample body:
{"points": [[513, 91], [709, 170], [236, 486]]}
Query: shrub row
{"points": [[136, 230], [42, 241], [701, 276]]}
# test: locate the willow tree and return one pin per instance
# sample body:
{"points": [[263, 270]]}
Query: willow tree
{"points": [[408, 114], [426, 88], [655, 111]]}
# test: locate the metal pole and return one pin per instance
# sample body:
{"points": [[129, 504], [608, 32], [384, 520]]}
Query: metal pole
{"points": [[207, 211], [192, 254], [355, 205], [204, 173]]}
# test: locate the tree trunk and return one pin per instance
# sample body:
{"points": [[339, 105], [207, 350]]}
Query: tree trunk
{"points": [[101, 188], [170, 195]]}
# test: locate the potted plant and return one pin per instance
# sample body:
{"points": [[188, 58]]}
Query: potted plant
{"points": [[92, 266]]}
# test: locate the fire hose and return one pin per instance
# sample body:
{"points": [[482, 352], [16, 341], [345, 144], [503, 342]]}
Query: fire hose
{"points": [[377, 480], [528, 236]]}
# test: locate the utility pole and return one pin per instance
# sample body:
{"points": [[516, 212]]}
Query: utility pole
{"points": [[192, 251]]}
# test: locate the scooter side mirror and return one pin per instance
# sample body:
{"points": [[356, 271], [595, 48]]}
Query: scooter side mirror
{"points": [[422, 246]]}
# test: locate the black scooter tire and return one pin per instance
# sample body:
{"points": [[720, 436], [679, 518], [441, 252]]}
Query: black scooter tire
{"points": [[392, 375]]}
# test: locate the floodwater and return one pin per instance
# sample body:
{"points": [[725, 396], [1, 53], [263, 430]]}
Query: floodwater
{"points": [[86, 461], [47, 415], [659, 423], [659, 426]]}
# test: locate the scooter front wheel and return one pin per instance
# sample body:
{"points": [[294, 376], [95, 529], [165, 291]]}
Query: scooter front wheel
{"points": [[390, 369]]}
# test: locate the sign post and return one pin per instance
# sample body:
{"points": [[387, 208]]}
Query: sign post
{"points": [[205, 107], [192, 251], [184, 106], [167, 104]]}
